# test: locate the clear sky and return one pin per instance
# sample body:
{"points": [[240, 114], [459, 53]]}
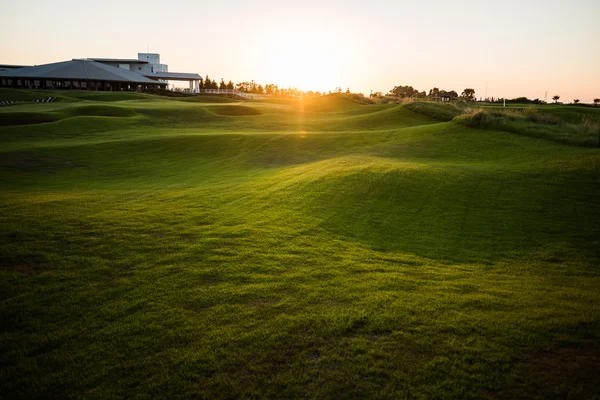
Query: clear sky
{"points": [[520, 48]]}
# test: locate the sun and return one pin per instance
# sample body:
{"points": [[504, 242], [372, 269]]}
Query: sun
{"points": [[306, 61]]}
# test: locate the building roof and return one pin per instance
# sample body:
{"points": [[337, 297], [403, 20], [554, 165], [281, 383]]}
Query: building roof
{"points": [[182, 76], [77, 69], [8, 66], [119, 60]]}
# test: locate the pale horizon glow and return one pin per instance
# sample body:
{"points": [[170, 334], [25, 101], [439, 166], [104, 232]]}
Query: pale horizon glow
{"points": [[519, 48]]}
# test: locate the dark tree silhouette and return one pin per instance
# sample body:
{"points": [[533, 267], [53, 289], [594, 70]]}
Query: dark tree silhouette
{"points": [[404, 91], [452, 94], [468, 94], [556, 98], [435, 92], [596, 101]]}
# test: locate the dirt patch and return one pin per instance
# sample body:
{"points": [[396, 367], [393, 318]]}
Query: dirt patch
{"points": [[565, 373], [263, 303], [18, 265], [159, 235], [19, 268]]}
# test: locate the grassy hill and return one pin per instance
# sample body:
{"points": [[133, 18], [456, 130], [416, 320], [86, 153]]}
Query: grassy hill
{"points": [[324, 248]]}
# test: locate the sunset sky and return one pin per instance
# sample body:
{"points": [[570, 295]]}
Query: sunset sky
{"points": [[521, 48]]}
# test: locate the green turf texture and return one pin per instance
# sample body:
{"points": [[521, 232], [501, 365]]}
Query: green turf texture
{"points": [[326, 249]]}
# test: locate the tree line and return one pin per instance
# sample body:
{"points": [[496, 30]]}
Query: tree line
{"points": [[254, 88], [403, 92], [467, 94]]}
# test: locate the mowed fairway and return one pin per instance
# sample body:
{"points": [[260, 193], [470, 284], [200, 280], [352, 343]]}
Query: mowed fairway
{"points": [[209, 248]]}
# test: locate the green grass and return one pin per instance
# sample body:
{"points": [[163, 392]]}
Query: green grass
{"points": [[324, 248]]}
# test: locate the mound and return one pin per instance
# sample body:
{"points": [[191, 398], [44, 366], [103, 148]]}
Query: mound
{"points": [[431, 211], [205, 99], [439, 111], [32, 118], [99, 111], [330, 103], [27, 95], [108, 96], [386, 118], [235, 110], [27, 118]]}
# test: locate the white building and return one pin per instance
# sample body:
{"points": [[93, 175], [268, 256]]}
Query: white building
{"points": [[148, 65], [145, 72]]}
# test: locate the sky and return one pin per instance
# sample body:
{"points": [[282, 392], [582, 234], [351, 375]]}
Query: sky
{"points": [[514, 48]]}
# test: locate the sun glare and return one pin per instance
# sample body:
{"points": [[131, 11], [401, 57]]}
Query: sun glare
{"points": [[306, 61]]}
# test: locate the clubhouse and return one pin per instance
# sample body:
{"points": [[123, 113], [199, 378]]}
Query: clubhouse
{"points": [[108, 74]]}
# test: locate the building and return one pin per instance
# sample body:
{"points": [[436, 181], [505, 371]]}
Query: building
{"points": [[112, 74], [5, 67], [146, 63]]}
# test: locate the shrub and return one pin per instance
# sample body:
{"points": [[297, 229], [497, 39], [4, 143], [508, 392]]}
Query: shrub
{"points": [[359, 97], [545, 119], [529, 111]]}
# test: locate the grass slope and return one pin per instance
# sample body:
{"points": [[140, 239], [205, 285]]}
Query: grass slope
{"points": [[341, 250], [579, 126]]}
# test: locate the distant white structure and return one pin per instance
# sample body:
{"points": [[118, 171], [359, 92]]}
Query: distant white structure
{"points": [[146, 63]]}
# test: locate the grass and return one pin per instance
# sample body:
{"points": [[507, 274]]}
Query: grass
{"points": [[578, 126], [316, 249]]}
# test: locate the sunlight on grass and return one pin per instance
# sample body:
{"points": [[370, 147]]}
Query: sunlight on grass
{"points": [[161, 248]]}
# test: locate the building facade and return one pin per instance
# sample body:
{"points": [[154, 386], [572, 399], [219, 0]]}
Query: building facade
{"points": [[145, 72]]}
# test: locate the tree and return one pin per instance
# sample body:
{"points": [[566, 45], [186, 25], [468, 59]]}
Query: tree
{"points": [[468, 94], [576, 101], [243, 87], [556, 98], [271, 88], [404, 91], [596, 101], [451, 94], [435, 92], [222, 85], [229, 85]]}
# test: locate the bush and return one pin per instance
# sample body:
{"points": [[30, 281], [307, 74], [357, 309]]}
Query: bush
{"points": [[530, 111], [440, 111], [545, 119], [529, 122], [359, 97]]}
